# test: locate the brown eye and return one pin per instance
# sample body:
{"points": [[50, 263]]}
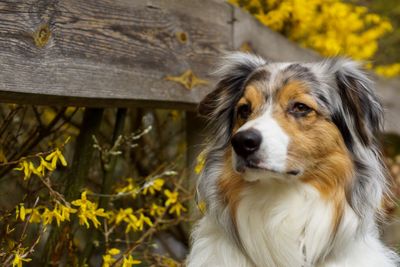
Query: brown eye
{"points": [[299, 109], [244, 111]]}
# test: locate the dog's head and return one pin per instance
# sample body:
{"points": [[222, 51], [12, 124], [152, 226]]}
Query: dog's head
{"points": [[314, 122]]}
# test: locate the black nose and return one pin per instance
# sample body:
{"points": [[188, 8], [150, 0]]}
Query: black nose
{"points": [[246, 142]]}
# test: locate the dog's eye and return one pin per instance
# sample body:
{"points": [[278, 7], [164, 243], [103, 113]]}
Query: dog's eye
{"points": [[299, 109], [244, 111]]}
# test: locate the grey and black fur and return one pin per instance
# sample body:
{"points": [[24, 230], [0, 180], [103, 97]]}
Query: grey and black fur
{"points": [[348, 100]]}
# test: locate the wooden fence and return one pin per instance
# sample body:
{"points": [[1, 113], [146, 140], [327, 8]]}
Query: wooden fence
{"points": [[123, 53]]}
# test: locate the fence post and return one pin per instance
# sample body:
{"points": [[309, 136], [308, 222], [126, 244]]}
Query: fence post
{"points": [[77, 174]]}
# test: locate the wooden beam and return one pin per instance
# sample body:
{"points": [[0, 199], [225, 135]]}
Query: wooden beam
{"points": [[110, 53], [118, 53], [389, 93]]}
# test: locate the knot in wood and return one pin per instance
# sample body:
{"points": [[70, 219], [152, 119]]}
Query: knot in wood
{"points": [[182, 37], [188, 79], [42, 35]]}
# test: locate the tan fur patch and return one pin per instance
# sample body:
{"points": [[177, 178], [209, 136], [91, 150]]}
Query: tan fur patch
{"points": [[317, 145], [295, 91], [230, 185], [254, 97]]}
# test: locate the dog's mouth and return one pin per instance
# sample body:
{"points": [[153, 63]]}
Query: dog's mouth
{"points": [[254, 166]]}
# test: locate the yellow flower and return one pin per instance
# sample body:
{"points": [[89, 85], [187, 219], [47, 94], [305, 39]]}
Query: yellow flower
{"points": [[177, 208], [47, 216], [35, 215], [156, 210], [28, 168], [172, 197], [202, 206], [44, 165], [169, 262], [135, 224], [388, 70], [88, 211], [20, 212], [65, 211], [334, 27], [128, 262], [122, 215], [142, 220], [60, 213], [24, 166], [18, 259], [201, 160], [108, 259], [131, 221], [113, 251], [153, 186], [56, 156], [130, 187]]}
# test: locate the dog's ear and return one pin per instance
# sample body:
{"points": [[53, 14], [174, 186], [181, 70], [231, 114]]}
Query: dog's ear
{"points": [[232, 73], [360, 120], [209, 104], [363, 113]]}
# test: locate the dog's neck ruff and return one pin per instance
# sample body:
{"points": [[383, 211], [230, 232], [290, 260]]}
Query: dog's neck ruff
{"points": [[284, 224]]}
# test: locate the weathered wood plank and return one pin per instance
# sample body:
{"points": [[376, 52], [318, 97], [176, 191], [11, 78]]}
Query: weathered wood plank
{"points": [[110, 52], [118, 53], [389, 92]]}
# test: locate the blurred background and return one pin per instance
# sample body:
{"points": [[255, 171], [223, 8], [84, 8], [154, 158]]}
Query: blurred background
{"points": [[115, 186]]}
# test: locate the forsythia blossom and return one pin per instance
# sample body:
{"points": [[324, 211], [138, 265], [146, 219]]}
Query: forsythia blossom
{"points": [[55, 157], [47, 164], [172, 202], [391, 70], [108, 259], [88, 211], [172, 197], [331, 27], [201, 160], [129, 261], [60, 213], [153, 186], [19, 259], [177, 208], [131, 188], [133, 222], [156, 210], [28, 169]]}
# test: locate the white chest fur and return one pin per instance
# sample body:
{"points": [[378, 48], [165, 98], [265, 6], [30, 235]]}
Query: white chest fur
{"points": [[284, 224], [288, 225]]}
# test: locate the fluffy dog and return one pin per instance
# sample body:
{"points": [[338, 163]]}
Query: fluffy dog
{"points": [[293, 174]]}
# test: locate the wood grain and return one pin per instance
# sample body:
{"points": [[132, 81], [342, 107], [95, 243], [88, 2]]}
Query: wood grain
{"points": [[109, 52], [117, 53]]}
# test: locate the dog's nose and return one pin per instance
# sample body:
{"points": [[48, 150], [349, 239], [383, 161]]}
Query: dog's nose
{"points": [[246, 142]]}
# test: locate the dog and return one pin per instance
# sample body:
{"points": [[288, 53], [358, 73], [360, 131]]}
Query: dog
{"points": [[293, 176]]}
